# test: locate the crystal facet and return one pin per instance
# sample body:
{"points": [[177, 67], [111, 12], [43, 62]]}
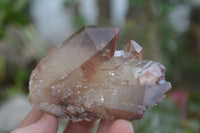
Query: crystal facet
{"points": [[81, 78], [135, 50]]}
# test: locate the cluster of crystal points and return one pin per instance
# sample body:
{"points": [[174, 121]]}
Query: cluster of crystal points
{"points": [[85, 78]]}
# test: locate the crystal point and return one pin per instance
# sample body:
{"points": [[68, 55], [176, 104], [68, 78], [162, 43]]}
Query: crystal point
{"points": [[135, 49], [81, 78]]}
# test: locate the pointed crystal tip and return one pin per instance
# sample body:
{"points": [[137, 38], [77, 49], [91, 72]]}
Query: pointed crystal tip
{"points": [[82, 79], [134, 48]]}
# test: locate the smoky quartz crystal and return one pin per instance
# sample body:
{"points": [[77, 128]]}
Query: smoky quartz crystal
{"points": [[85, 78]]}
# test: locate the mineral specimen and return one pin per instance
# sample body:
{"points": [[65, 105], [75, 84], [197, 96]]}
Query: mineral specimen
{"points": [[84, 78]]}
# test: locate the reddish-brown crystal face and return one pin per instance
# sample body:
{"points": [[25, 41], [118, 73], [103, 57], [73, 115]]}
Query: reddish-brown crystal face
{"points": [[81, 79], [134, 49]]}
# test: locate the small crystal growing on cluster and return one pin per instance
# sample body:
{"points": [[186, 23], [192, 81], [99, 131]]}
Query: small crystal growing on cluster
{"points": [[84, 78]]}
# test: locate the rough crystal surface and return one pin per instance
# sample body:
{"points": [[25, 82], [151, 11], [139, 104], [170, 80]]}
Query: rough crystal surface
{"points": [[81, 78]]}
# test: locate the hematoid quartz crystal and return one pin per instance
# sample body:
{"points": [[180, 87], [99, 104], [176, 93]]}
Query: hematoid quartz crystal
{"points": [[85, 78]]}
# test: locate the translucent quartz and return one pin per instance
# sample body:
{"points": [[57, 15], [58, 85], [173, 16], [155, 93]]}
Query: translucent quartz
{"points": [[123, 88], [81, 79], [134, 49]]}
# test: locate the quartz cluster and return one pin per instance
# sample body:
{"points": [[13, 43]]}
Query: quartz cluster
{"points": [[85, 78]]}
